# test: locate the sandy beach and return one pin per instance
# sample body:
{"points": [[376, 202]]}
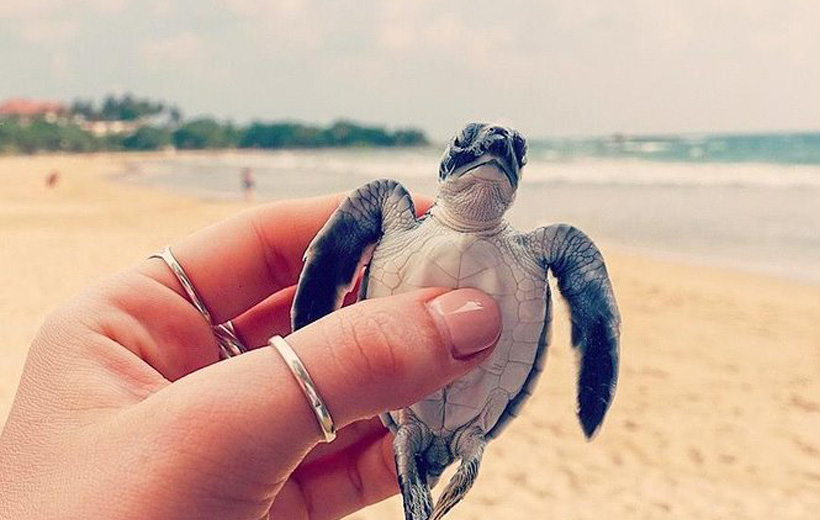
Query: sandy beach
{"points": [[718, 407]]}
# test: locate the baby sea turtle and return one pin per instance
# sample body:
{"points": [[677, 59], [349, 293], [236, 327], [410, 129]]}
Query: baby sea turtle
{"points": [[464, 241]]}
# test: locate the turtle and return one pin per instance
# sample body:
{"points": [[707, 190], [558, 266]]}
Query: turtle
{"points": [[463, 240]]}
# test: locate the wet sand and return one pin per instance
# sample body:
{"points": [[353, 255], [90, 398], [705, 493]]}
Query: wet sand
{"points": [[718, 407]]}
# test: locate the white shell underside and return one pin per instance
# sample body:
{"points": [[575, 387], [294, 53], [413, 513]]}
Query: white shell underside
{"points": [[432, 255]]}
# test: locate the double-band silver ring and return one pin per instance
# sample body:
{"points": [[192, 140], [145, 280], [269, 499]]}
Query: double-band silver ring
{"points": [[226, 338]]}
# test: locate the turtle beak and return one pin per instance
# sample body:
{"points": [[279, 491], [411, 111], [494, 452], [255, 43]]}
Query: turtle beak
{"points": [[512, 176], [499, 165]]}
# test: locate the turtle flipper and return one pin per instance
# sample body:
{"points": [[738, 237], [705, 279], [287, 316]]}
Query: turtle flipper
{"points": [[583, 281], [412, 439], [334, 257], [469, 448]]}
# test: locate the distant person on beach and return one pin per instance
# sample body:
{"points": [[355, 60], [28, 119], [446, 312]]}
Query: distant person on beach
{"points": [[52, 179], [125, 411], [248, 184]]}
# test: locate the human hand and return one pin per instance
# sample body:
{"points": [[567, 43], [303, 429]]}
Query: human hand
{"points": [[123, 412]]}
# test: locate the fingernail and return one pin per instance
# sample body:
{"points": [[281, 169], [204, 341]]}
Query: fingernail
{"points": [[468, 318]]}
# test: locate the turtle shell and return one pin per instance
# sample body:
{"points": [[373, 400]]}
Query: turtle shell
{"points": [[498, 263]]}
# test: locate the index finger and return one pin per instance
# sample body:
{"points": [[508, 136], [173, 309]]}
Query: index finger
{"points": [[237, 263]]}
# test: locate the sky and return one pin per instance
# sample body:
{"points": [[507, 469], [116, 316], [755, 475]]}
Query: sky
{"points": [[548, 67]]}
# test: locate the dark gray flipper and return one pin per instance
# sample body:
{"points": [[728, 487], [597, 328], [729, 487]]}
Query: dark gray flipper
{"points": [[413, 437], [470, 448], [583, 281], [334, 256]]}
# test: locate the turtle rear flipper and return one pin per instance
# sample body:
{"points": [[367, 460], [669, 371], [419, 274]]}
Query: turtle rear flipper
{"points": [[413, 437], [335, 256], [469, 447]]}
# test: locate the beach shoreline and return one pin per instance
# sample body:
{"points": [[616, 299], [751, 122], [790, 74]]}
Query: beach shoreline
{"points": [[717, 411], [737, 216]]}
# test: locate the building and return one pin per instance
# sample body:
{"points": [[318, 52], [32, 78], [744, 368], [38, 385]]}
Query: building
{"points": [[25, 110], [103, 128]]}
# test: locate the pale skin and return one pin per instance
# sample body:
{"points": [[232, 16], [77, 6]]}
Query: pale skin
{"points": [[124, 412]]}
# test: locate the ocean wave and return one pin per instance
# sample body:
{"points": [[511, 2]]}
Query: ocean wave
{"points": [[423, 164], [648, 173]]}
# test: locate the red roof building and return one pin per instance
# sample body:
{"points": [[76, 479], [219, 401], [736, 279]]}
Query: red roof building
{"points": [[27, 108]]}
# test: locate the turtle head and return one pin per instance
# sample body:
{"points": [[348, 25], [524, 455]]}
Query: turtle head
{"points": [[479, 173]]}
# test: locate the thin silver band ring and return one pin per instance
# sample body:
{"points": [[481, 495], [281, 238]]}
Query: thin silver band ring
{"points": [[302, 377], [229, 343], [168, 257], [226, 338]]}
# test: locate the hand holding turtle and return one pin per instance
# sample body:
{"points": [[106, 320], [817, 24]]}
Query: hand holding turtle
{"points": [[464, 240], [123, 411]]}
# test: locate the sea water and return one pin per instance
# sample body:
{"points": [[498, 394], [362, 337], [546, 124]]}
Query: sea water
{"points": [[748, 202]]}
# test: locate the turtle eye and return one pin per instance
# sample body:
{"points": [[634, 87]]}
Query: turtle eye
{"points": [[497, 146], [466, 137], [520, 148]]}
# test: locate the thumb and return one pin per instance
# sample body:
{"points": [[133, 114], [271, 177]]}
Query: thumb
{"points": [[387, 353], [374, 356]]}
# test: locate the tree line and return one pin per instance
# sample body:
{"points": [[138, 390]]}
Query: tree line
{"points": [[125, 108], [158, 126]]}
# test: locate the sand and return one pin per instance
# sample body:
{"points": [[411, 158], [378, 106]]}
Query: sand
{"points": [[717, 414]]}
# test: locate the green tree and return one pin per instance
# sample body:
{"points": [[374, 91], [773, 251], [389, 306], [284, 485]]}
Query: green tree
{"points": [[175, 115], [148, 138], [83, 108], [409, 137], [9, 132], [40, 135], [340, 133], [127, 108], [202, 133]]}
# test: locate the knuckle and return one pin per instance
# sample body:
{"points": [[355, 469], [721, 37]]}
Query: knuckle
{"points": [[62, 330], [371, 345]]}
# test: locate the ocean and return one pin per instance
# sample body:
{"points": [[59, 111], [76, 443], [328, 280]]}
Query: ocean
{"points": [[742, 201]]}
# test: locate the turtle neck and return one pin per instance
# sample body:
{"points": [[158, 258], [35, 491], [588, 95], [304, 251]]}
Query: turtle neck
{"points": [[448, 219]]}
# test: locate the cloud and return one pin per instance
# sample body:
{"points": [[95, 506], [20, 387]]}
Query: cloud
{"points": [[180, 49], [283, 10], [38, 9], [48, 32], [288, 23], [455, 39], [160, 8], [52, 23], [559, 66], [109, 6], [60, 66], [31, 9]]}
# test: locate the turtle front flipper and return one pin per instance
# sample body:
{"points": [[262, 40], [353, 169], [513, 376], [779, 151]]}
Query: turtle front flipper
{"points": [[583, 281], [336, 254]]}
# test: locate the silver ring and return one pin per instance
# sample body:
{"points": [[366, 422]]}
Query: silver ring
{"points": [[302, 377], [229, 343], [168, 257], [226, 338]]}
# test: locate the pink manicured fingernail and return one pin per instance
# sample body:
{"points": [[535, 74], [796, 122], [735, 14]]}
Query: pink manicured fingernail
{"points": [[468, 318]]}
